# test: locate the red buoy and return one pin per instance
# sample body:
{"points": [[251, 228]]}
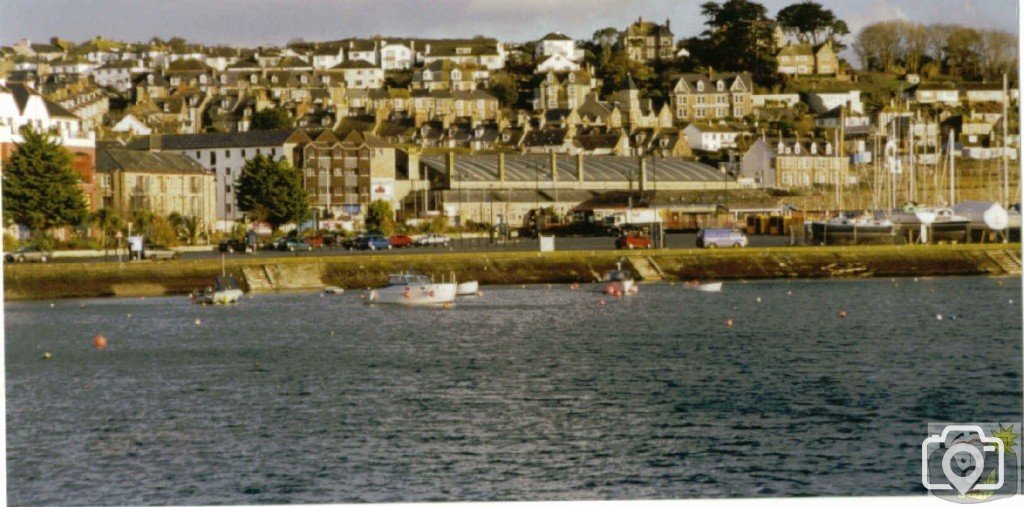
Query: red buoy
{"points": [[99, 342]]}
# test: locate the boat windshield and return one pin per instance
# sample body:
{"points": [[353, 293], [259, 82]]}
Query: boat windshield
{"points": [[617, 275], [408, 280]]}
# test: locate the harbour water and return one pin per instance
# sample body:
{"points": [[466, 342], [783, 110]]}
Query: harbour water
{"points": [[522, 394]]}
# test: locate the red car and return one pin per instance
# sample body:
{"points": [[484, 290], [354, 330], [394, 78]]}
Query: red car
{"points": [[631, 241], [400, 241]]}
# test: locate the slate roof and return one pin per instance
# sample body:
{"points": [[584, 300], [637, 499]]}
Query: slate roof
{"points": [[556, 36], [114, 159], [595, 168], [254, 138]]}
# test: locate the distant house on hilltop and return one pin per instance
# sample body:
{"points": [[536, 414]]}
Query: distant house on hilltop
{"points": [[647, 41], [805, 59]]}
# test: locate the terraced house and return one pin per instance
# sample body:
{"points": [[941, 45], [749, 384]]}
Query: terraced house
{"points": [[699, 97]]}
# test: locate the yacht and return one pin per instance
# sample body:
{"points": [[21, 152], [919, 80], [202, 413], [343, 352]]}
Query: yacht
{"points": [[413, 290], [618, 282], [934, 224]]}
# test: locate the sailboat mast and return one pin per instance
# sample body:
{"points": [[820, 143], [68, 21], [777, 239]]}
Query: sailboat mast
{"points": [[1006, 163], [952, 171]]}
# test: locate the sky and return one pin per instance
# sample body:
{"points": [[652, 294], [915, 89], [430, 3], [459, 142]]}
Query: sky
{"points": [[275, 22]]}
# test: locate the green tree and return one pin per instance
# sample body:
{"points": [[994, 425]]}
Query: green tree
{"points": [[271, 118], [811, 22], [504, 87], [739, 37], [40, 189], [380, 217], [272, 191]]}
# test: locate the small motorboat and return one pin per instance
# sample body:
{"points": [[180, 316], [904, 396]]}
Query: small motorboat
{"points": [[413, 290], [467, 288], [704, 287], [333, 290], [618, 282], [224, 291]]}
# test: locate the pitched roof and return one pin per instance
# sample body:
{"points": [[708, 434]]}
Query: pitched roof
{"points": [[113, 159], [557, 36], [254, 138], [354, 64]]}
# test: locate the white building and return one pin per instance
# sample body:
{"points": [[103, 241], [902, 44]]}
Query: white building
{"points": [[327, 57], [360, 74], [118, 75], [557, 43], [396, 55], [22, 106], [822, 101], [710, 137]]}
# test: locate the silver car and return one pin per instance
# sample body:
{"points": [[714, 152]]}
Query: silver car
{"points": [[29, 254], [159, 253]]}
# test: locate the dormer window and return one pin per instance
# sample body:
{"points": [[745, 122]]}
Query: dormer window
{"points": [[273, 79], [253, 78], [304, 79], [721, 86], [700, 86], [572, 78]]}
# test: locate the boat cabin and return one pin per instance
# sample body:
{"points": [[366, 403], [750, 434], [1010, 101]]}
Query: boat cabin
{"points": [[408, 279]]}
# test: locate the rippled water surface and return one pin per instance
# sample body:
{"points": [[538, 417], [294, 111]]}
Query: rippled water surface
{"points": [[522, 394]]}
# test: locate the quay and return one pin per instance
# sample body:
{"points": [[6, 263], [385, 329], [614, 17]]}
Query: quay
{"points": [[66, 280]]}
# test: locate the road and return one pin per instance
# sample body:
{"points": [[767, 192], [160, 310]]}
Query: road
{"points": [[470, 245]]}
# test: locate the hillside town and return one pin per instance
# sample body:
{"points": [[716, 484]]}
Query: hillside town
{"points": [[755, 116]]}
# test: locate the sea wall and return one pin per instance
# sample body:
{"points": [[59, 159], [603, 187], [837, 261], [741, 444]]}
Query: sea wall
{"points": [[85, 279]]}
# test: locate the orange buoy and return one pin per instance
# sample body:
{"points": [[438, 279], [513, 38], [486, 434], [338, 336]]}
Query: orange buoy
{"points": [[431, 294], [842, 314], [728, 322], [601, 303], [99, 342]]}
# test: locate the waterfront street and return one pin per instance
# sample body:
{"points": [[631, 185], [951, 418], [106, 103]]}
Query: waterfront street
{"points": [[673, 241]]}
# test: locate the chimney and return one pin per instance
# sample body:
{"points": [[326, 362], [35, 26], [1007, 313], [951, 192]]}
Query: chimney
{"points": [[579, 167], [554, 166], [643, 173], [501, 167], [155, 142]]}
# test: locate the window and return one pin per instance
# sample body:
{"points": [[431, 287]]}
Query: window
{"points": [[227, 171], [243, 153], [227, 189], [197, 154], [273, 152], [227, 153], [227, 207], [213, 157]]}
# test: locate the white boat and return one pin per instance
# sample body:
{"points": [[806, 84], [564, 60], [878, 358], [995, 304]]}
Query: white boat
{"points": [[618, 282], [984, 214], [224, 291], [705, 287], [467, 288], [333, 290], [413, 290]]}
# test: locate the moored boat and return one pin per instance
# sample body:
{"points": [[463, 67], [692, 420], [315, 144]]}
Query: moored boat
{"points": [[619, 282], [413, 290], [224, 291], [930, 224], [333, 290], [704, 287], [467, 288]]}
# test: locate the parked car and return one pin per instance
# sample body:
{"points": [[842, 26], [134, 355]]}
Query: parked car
{"points": [[633, 240], [433, 240], [372, 242], [400, 241], [315, 242], [154, 252], [29, 254], [714, 238], [291, 245]]}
